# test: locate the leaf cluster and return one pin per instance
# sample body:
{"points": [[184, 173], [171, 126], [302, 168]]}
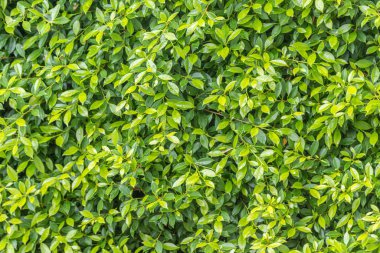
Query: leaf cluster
{"points": [[189, 126]]}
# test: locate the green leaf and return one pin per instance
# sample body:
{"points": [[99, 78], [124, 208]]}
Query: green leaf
{"points": [[315, 194], [38, 163], [362, 125], [30, 41], [87, 5], [257, 25], [197, 83], [373, 139], [178, 104], [351, 90], [20, 122], [173, 139], [327, 56], [170, 246], [76, 27], [279, 62], [343, 220], [319, 5], [87, 214], [180, 181], [224, 52], [44, 248], [165, 77], [364, 63], [274, 138], [12, 174], [173, 88], [170, 36], [72, 150]]}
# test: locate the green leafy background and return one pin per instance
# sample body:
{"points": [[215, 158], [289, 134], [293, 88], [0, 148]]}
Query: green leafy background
{"points": [[189, 126]]}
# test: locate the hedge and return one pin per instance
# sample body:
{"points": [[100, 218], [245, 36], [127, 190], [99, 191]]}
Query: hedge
{"points": [[189, 126]]}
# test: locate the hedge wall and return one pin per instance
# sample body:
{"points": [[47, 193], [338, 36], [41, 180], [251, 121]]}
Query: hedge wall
{"points": [[189, 126]]}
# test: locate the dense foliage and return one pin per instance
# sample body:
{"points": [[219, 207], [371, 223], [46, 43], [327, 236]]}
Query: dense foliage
{"points": [[189, 126]]}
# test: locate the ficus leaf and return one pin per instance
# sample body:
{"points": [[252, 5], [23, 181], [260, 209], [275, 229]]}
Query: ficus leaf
{"points": [[189, 126]]}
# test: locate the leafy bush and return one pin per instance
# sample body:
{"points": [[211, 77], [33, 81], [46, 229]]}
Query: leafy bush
{"points": [[189, 126]]}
